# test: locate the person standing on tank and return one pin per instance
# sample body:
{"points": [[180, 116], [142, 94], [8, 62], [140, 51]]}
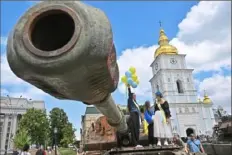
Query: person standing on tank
{"points": [[161, 119], [148, 117], [134, 111]]}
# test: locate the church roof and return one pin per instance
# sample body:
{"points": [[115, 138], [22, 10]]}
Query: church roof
{"points": [[91, 110], [206, 99], [165, 47]]}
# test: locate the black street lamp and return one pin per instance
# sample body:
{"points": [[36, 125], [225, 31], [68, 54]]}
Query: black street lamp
{"points": [[55, 132]]}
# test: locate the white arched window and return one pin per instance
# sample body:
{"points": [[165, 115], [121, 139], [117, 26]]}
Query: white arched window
{"points": [[179, 86]]}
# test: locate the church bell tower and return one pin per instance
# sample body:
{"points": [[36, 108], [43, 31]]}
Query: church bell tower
{"points": [[170, 74], [175, 81]]}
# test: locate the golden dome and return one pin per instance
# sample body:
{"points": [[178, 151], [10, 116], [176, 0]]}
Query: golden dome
{"points": [[165, 47], [206, 99]]}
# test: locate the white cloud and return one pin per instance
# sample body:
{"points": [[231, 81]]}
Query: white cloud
{"points": [[218, 88], [3, 41], [204, 35], [7, 76], [16, 86], [28, 91], [77, 134], [4, 92], [206, 21]]}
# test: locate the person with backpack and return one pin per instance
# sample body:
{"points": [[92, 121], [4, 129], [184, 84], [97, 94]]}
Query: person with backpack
{"points": [[194, 145]]}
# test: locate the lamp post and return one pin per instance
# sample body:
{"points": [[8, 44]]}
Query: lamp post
{"points": [[55, 132]]}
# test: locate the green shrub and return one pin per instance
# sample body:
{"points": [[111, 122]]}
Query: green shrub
{"points": [[21, 138]]}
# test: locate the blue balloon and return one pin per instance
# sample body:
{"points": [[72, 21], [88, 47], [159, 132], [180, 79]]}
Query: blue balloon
{"points": [[130, 81], [128, 74], [134, 85]]}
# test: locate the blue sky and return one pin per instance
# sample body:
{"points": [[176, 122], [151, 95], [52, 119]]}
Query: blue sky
{"points": [[134, 24]]}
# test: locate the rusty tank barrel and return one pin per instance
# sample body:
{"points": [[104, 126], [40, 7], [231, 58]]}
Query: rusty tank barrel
{"points": [[66, 49]]}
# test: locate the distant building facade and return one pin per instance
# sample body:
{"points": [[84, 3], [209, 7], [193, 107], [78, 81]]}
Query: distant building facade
{"points": [[91, 115], [11, 112]]}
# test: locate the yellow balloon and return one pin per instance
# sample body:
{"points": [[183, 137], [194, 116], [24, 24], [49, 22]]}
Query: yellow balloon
{"points": [[137, 81], [132, 70], [124, 79], [134, 77]]}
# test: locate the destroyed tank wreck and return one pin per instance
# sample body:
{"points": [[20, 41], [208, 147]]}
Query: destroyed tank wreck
{"points": [[222, 139], [102, 139], [223, 131], [66, 49]]}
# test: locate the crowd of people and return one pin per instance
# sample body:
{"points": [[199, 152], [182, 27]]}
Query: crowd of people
{"points": [[25, 151], [159, 125]]}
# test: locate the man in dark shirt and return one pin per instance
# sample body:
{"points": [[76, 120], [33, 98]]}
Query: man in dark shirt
{"points": [[133, 108]]}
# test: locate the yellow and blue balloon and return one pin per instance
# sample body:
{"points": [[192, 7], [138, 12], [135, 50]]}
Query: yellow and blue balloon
{"points": [[130, 78]]}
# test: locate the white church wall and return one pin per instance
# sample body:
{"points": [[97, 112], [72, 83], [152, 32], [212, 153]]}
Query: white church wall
{"points": [[203, 117], [186, 116], [210, 121], [156, 65], [187, 121], [165, 61], [174, 120]]}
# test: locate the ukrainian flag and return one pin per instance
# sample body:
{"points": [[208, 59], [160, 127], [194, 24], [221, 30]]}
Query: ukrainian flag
{"points": [[145, 127]]}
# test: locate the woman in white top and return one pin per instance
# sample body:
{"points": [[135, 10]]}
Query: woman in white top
{"points": [[161, 119]]}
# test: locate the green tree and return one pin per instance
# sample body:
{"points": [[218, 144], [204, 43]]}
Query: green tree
{"points": [[68, 135], [21, 138], [36, 123], [58, 119], [141, 108]]}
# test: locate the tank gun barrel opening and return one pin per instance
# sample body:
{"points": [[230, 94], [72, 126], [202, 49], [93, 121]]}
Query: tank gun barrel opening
{"points": [[51, 31]]}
